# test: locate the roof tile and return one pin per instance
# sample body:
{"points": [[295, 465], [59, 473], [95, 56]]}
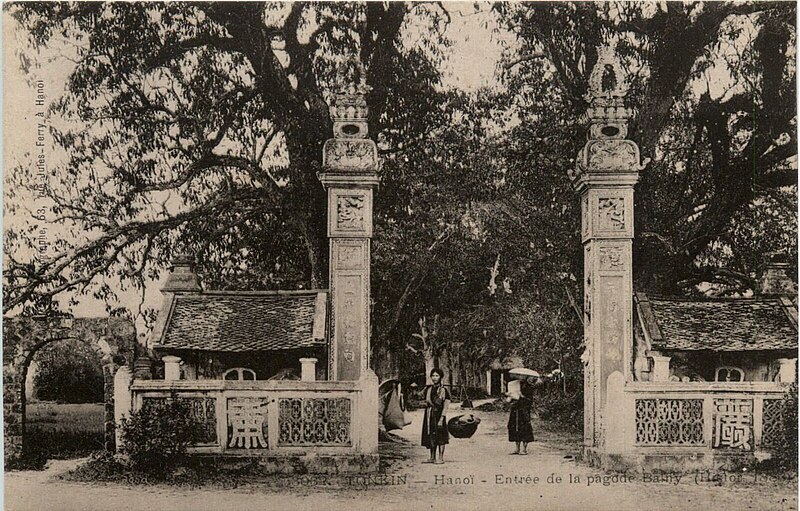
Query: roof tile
{"points": [[719, 325], [241, 322]]}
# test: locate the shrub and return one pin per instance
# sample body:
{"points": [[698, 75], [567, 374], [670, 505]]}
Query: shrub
{"points": [[551, 404], [155, 437], [101, 466], [786, 454], [34, 458]]}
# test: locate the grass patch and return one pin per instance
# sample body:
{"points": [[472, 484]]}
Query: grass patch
{"points": [[63, 431]]}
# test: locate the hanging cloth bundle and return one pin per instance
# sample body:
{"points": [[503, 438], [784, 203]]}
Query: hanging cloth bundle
{"points": [[393, 409]]}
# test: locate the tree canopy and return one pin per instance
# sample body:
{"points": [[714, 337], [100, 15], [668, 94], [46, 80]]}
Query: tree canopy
{"points": [[714, 88], [199, 127]]}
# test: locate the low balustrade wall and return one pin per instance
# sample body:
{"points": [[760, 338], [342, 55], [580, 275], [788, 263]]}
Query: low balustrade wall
{"points": [[718, 417], [273, 417]]}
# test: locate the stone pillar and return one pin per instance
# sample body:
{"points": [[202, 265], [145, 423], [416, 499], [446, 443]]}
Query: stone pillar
{"points": [[12, 411], [109, 424], [660, 368], [172, 367], [30, 377], [350, 164], [787, 372], [308, 369], [143, 368], [606, 170], [122, 399], [367, 416]]}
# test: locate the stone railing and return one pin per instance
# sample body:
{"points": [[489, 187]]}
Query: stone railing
{"points": [[732, 417], [273, 417]]}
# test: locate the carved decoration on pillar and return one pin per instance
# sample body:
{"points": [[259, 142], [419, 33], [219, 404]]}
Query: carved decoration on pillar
{"points": [[353, 155], [610, 155], [585, 216], [612, 327], [350, 212], [611, 214], [611, 258], [350, 257], [587, 288]]}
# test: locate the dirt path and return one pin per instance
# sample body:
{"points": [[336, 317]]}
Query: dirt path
{"points": [[479, 474]]}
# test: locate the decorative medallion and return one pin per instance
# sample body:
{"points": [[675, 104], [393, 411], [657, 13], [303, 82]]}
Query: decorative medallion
{"points": [[247, 422], [350, 212], [611, 214], [733, 423], [612, 155], [355, 155], [610, 258]]}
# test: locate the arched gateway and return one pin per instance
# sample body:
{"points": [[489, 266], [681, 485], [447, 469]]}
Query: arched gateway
{"points": [[113, 338]]}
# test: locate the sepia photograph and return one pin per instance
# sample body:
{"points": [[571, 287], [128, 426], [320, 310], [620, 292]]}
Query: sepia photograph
{"points": [[393, 256]]}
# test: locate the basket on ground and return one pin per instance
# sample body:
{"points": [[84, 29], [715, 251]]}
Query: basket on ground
{"points": [[463, 426]]}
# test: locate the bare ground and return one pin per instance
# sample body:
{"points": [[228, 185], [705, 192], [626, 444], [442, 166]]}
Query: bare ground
{"points": [[479, 475]]}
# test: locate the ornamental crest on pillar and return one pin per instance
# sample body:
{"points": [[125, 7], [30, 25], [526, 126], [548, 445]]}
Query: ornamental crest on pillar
{"points": [[607, 150], [350, 150]]}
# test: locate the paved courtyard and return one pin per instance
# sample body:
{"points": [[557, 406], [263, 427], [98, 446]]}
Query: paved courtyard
{"points": [[479, 474]]}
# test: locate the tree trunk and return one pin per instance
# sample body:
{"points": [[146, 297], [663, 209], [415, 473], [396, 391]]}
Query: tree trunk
{"points": [[430, 364]]}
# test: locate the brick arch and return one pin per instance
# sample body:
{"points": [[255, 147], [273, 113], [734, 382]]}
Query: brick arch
{"points": [[113, 338]]}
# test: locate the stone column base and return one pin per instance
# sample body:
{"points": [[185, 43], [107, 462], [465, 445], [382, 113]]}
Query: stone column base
{"points": [[677, 463], [259, 464]]}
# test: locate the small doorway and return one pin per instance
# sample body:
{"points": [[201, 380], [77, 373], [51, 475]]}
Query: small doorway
{"points": [[496, 383]]}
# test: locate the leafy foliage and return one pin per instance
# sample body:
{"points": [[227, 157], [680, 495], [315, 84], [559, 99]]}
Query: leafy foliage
{"points": [[200, 126], [156, 436], [69, 371], [713, 85], [787, 452]]}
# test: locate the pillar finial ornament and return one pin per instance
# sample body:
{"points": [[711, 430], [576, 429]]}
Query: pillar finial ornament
{"points": [[350, 150], [349, 112], [607, 149]]}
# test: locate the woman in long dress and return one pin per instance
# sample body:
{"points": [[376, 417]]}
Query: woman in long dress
{"points": [[434, 426], [520, 430]]}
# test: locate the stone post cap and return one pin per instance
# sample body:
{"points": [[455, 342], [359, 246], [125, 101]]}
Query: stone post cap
{"points": [[171, 359], [182, 277], [309, 360], [774, 279]]}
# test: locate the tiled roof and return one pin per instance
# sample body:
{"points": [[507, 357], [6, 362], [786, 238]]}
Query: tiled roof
{"points": [[740, 324], [241, 321]]}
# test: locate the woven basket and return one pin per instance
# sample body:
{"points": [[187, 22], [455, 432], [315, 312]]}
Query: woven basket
{"points": [[463, 426]]}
